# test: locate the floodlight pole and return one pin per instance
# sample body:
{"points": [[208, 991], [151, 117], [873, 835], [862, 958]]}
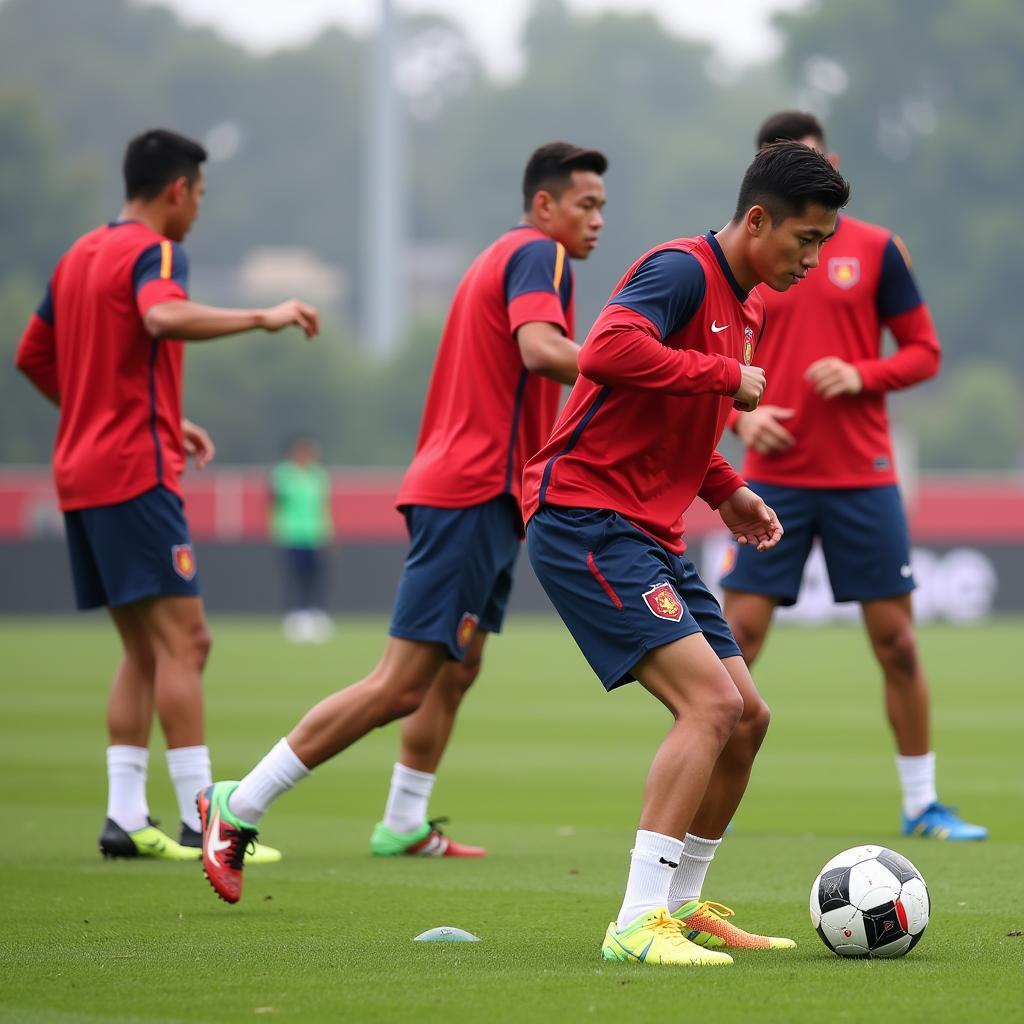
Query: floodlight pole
{"points": [[385, 307]]}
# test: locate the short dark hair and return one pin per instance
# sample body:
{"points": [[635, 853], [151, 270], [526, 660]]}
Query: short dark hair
{"points": [[550, 168], [156, 158], [785, 177], [789, 126]]}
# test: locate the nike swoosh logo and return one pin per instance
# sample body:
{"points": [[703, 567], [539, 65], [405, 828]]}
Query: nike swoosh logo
{"points": [[671, 864], [715, 329], [216, 844]]}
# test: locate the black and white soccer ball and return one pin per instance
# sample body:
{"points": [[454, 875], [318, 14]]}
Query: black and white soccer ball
{"points": [[870, 902]]}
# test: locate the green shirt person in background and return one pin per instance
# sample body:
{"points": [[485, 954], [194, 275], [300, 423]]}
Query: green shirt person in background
{"points": [[300, 524]]}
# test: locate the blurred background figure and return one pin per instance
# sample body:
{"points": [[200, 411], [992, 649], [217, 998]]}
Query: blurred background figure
{"points": [[301, 526]]}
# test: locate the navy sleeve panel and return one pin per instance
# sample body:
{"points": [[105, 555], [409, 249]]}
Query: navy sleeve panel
{"points": [[667, 288], [45, 310], [897, 290], [154, 263], [539, 266]]}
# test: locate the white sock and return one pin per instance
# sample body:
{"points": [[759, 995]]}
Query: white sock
{"points": [[126, 786], [274, 775], [189, 768], [406, 808], [917, 780], [688, 878], [654, 859]]}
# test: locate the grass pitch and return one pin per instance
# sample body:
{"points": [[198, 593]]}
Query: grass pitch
{"points": [[546, 770]]}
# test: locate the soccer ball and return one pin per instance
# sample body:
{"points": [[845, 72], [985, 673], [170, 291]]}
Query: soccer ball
{"points": [[870, 902]]}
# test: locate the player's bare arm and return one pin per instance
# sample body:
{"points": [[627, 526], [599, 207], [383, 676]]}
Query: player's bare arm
{"points": [[831, 377], [199, 445], [548, 352], [752, 385], [750, 519], [192, 321], [763, 430]]}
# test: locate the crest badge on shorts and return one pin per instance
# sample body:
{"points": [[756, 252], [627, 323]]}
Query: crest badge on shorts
{"points": [[184, 561], [664, 602], [844, 271], [467, 627]]}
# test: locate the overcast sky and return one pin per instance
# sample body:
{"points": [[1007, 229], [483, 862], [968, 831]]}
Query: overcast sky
{"points": [[739, 29]]}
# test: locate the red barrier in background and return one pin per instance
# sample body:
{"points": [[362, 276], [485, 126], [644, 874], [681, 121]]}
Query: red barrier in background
{"points": [[230, 504]]}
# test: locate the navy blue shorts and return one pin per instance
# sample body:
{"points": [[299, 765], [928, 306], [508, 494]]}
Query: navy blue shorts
{"points": [[458, 573], [619, 592], [864, 538], [133, 550]]}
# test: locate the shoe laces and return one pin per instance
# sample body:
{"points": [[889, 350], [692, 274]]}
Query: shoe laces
{"points": [[435, 822], [243, 840], [719, 910], [665, 925]]}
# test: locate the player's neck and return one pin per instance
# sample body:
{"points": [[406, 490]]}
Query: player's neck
{"points": [[732, 240], [145, 213]]}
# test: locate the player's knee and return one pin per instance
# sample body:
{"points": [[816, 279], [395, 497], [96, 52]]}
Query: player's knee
{"points": [[897, 651], [199, 646], [724, 711], [464, 674], [748, 637], [754, 724]]}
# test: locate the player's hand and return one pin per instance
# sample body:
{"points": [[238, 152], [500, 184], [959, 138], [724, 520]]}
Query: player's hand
{"points": [[292, 312], [750, 519], [832, 377], [748, 394], [198, 444], [762, 429]]}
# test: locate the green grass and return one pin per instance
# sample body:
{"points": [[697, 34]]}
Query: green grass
{"points": [[546, 770]]}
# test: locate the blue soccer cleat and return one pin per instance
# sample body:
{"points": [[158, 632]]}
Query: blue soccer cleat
{"points": [[937, 821]]}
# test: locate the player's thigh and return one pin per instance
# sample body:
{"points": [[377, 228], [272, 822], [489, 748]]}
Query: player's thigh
{"points": [[176, 625], [889, 622], [135, 638], [612, 585], [775, 573], [142, 548], [866, 543], [458, 561]]}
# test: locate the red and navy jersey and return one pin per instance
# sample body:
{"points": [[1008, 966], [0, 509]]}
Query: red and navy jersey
{"points": [[119, 389], [638, 433], [485, 413], [862, 284]]}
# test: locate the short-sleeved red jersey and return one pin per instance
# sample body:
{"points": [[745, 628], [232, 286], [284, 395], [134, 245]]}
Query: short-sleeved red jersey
{"points": [[861, 285], [638, 433], [485, 413], [119, 389]]}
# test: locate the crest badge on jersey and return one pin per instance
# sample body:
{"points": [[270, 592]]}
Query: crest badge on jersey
{"points": [[748, 344], [184, 561], [844, 271], [467, 627], [664, 602]]}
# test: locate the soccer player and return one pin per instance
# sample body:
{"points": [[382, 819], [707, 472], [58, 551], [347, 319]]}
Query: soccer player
{"points": [[818, 449], [604, 499], [505, 350], [105, 346]]}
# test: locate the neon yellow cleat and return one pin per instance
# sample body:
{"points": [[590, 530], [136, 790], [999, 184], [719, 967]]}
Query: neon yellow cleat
{"points": [[705, 924], [147, 841], [657, 938]]}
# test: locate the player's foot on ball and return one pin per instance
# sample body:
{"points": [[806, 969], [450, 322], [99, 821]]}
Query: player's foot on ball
{"points": [[937, 821], [657, 938], [426, 841], [225, 839], [255, 853], [705, 924], [147, 841]]}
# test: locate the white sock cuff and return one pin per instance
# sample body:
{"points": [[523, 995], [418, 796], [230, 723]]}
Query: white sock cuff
{"points": [[919, 762], [413, 780], [188, 758], [653, 846], [120, 755], [699, 848], [288, 761]]}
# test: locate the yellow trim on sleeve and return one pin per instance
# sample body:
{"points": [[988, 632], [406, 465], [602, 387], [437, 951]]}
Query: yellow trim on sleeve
{"points": [[559, 264], [165, 259]]}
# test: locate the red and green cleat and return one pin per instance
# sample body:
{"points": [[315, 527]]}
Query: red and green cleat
{"points": [[255, 853], [705, 924], [426, 841], [225, 840]]}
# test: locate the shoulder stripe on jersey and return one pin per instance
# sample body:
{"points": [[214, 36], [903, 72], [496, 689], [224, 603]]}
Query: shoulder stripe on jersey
{"points": [[165, 259], [559, 264]]}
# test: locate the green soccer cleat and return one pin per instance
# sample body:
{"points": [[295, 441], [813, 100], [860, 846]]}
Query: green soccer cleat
{"points": [[225, 840], [426, 841], [657, 938], [147, 841], [255, 853], [705, 924]]}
